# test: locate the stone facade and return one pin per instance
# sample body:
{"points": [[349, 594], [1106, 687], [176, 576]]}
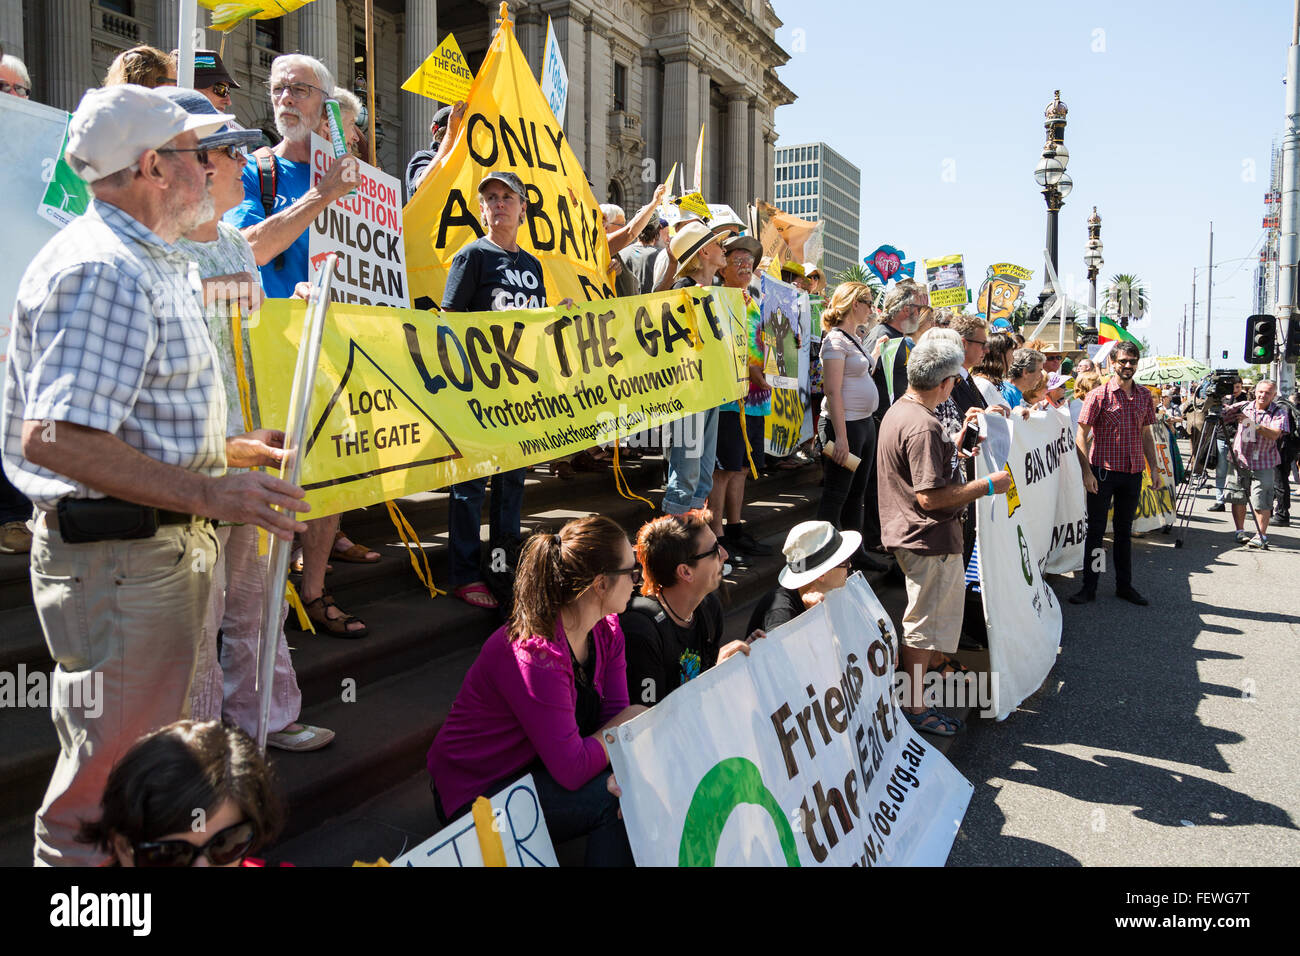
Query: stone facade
{"points": [[676, 63]]}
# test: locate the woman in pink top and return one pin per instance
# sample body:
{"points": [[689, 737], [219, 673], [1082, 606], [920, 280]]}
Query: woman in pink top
{"points": [[545, 686]]}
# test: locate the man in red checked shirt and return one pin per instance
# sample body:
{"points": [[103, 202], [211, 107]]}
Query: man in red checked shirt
{"points": [[1114, 438], [1254, 459]]}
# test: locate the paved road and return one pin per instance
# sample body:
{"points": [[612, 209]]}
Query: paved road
{"points": [[1165, 735]]}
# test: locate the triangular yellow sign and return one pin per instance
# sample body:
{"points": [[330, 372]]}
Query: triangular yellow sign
{"points": [[509, 126], [443, 76], [1013, 495]]}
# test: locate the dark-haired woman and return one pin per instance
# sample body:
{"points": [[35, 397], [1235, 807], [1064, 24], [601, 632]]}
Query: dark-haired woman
{"points": [[544, 687], [991, 371], [195, 793]]}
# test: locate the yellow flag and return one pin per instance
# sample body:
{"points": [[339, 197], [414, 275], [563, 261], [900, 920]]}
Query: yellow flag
{"points": [[699, 162], [508, 125], [443, 76]]}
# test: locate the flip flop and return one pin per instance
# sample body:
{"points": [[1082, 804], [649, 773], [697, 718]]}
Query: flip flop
{"points": [[477, 595], [930, 721], [950, 665]]}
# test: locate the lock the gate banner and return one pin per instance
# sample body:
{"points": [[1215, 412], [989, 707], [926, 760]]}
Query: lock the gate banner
{"points": [[408, 401]]}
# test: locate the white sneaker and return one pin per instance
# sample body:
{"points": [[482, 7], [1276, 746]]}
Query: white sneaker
{"points": [[305, 738]]}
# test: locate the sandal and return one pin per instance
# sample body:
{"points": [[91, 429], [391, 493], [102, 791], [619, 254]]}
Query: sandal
{"points": [[357, 554], [930, 721], [950, 666], [477, 595], [562, 469], [317, 612]]}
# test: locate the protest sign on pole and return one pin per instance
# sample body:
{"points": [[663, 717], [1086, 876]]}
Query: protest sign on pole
{"points": [[1036, 528], [408, 400], [887, 263], [514, 834], [555, 78], [787, 318], [783, 429], [787, 238], [41, 192], [443, 76], [945, 279], [795, 755], [1003, 285], [1155, 509], [365, 229], [509, 126]]}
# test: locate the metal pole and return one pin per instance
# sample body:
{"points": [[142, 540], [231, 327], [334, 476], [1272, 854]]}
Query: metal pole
{"points": [[185, 45], [370, 78], [1289, 244], [1192, 336], [1209, 294]]}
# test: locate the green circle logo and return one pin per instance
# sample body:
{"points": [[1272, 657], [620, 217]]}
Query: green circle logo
{"points": [[1024, 556], [727, 785]]}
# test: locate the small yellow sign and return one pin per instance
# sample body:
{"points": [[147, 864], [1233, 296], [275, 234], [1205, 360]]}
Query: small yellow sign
{"points": [[694, 203], [1013, 495], [443, 76]]}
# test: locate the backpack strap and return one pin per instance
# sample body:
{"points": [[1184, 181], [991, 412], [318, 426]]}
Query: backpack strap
{"points": [[266, 182]]}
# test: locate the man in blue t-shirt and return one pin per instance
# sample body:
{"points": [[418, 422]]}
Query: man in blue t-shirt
{"points": [[299, 87]]}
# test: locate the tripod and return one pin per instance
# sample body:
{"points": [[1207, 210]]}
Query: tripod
{"points": [[1186, 500]]}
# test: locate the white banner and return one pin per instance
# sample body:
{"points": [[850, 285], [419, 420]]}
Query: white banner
{"points": [[38, 198], [365, 229], [555, 78], [517, 831], [1036, 528], [1156, 505], [796, 755]]}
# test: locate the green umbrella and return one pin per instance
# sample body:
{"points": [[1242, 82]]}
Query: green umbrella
{"points": [[1167, 369]]}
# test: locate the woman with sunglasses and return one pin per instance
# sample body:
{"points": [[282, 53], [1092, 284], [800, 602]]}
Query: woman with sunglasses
{"points": [[544, 687], [191, 794]]}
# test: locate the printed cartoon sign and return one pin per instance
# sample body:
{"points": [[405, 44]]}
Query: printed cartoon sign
{"points": [[1003, 285], [887, 263], [365, 229], [786, 321], [945, 279]]}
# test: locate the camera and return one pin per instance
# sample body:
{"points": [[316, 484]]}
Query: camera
{"points": [[1221, 383]]}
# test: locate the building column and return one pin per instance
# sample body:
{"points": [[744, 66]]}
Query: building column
{"points": [[420, 39], [600, 100], [318, 36], [67, 51], [530, 31], [167, 24], [11, 27], [738, 151], [706, 119], [650, 122], [681, 115]]}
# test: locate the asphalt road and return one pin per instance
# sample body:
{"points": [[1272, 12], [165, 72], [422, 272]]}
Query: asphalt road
{"points": [[1165, 735]]}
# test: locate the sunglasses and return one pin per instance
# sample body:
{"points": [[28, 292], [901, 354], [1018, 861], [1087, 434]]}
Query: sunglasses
{"points": [[717, 545], [634, 571], [225, 847], [200, 153], [1126, 361], [220, 89], [17, 89]]}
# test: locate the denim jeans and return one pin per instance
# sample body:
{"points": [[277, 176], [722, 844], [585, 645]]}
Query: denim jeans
{"points": [[1126, 489], [13, 505], [466, 515], [591, 809], [691, 456], [1221, 469], [844, 491]]}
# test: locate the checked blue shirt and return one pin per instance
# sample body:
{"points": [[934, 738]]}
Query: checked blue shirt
{"points": [[109, 333]]}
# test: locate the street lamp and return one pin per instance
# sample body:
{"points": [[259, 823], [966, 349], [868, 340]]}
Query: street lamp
{"points": [[1093, 260], [1050, 174]]}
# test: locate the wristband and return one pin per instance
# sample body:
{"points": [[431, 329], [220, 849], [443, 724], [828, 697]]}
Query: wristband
{"points": [[990, 487]]}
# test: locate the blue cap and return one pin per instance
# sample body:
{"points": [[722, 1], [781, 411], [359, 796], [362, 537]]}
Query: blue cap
{"points": [[227, 135]]}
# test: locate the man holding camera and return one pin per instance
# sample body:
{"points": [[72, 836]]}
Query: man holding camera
{"points": [[1255, 457]]}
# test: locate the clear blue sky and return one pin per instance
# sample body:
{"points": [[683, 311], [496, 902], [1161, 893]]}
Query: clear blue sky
{"points": [[1168, 104]]}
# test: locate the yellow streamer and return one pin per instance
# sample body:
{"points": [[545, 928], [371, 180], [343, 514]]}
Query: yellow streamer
{"points": [[295, 602], [489, 839], [744, 435], [620, 481], [412, 542]]}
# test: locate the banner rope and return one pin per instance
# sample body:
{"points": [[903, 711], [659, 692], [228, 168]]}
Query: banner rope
{"points": [[411, 541], [620, 481], [744, 436]]}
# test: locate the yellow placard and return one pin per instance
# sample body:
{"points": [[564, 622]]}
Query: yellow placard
{"points": [[407, 401], [509, 125], [782, 428], [443, 76], [694, 203]]}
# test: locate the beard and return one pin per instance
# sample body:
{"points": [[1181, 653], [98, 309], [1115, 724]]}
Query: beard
{"points": [[295, 133], [911, 324], [189, 216]]}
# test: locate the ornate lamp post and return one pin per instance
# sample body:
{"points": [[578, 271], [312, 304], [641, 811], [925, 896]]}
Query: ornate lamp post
{"points": [[1093, 260], [1056, 182]]}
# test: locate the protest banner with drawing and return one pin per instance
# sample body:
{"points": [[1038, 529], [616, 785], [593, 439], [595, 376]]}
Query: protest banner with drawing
{"points": [[1036, 528], [945, 279], [365, 229], [786, 237], [795, 755], [406, 400], [1155, 508], [509, 126], [789, 424], [786, 323], [509, 831]]}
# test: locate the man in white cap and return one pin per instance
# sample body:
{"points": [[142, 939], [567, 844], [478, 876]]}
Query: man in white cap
{"points": [[816, 561], [114, 425]]}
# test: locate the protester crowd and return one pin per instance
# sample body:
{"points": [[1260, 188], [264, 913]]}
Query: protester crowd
{"points": [[126, 337]]}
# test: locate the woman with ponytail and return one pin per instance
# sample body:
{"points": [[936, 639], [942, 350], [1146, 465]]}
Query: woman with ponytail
{"points": [[544, 687]]}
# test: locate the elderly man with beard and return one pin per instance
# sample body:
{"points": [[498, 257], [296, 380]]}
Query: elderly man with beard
{"points": [[114, 425], [280, 204]]}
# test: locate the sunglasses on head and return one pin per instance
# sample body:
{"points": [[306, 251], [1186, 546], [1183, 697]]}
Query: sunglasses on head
{"points": [[225, 847]]}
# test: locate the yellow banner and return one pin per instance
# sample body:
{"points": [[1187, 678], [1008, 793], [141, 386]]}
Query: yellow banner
{"points": [[408, 401], [782, 429], [443, 76], [509, 125]]}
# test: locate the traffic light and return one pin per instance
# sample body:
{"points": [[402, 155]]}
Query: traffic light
{"points": [[1261, 339], [1293, 338]]}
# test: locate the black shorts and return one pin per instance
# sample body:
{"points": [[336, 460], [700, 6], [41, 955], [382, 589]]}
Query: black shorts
{"points": [[731, 448]]}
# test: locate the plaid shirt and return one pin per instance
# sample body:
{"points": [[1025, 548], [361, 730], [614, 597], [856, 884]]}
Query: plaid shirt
{"points": [[1118, 423], [1255, 453], [108, 333]]}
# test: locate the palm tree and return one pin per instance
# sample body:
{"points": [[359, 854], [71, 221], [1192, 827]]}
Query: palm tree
{"points": [[1125, 298], [856, 273]]}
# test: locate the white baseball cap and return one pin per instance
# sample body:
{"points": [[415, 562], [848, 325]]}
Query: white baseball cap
{"points": [[113, 125]]}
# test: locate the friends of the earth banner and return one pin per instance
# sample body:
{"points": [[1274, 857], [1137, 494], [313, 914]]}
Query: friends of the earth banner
{"points": [[509, 126], [408, 400], [795, 755], [1036, 528]]}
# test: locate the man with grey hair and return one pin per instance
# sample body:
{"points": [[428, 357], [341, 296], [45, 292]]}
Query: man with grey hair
{"points": [[921, 496], [114, 425], [14, 78]]}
